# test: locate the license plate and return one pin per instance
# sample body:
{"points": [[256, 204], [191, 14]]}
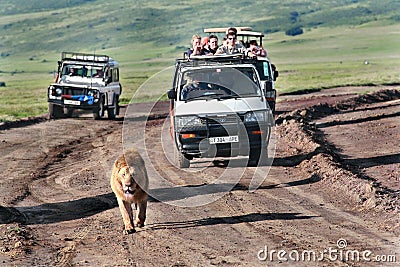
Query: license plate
{"points": [[224, 139], [72, 102]]}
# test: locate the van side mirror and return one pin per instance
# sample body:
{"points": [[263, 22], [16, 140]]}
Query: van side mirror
{"points": [[267, 86], [275, 71], [172, 93], [264, 85]]}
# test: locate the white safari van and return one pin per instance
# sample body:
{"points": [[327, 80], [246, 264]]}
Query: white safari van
{"points": [[266, 69], [218, 109]]}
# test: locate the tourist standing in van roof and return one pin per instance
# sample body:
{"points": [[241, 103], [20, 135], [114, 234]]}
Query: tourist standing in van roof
{"points": [[231, 46], [212, 46], [256, 50], [196, 48]]}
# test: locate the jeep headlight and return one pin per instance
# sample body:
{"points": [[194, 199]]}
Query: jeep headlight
{"points": [[93, 93], [187, 121], [255, 116], [54, 91]]}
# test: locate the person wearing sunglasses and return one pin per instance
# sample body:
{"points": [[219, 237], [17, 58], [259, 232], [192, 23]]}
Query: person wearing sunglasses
{"points": [[231, 46]]}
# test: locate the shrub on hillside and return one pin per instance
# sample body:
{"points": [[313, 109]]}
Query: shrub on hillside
{"points": [[297, 30]]}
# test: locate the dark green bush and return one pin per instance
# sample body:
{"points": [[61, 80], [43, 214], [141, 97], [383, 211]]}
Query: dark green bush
{"points": [[297, 30]]}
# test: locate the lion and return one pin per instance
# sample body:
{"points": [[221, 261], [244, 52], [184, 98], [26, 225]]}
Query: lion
{"points": [[130, 183]]}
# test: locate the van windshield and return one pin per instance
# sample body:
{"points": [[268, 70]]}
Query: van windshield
{"points": [[220, 83]]}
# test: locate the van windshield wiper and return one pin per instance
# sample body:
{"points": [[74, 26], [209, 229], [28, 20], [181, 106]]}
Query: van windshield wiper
{"points": [[234, 95], [249, 95], [206, 95]]}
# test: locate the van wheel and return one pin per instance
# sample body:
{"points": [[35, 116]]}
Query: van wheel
{"points": [[55, 111], [98, 113], [258, 157], [183, 161]]}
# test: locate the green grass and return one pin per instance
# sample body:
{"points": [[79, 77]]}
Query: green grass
{"points": [[328, 57], [339, 36], [22, 99]]}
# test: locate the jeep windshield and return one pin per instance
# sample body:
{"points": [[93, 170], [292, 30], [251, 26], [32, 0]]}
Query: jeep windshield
{"points": [[219, 83], [83, 71]]}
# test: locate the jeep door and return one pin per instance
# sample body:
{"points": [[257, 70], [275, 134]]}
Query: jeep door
{"points": [[113, 87]]}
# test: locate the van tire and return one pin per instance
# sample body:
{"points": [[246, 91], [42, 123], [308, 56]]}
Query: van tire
{"points": [[258, 157], [183, 161]]}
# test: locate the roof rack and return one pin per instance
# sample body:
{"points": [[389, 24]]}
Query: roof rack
{"points": [[84, 57], [250, 34], [224, 29], [215, 59], [244, 32]]}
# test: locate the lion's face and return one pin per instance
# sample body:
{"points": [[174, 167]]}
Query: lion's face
{"points": [[127, 177]]}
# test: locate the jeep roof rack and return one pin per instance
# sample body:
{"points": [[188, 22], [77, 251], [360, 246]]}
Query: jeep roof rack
{"points": [[84, 57]]}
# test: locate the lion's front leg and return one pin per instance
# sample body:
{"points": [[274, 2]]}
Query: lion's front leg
{"points": [[141, 213], [127, 216]]}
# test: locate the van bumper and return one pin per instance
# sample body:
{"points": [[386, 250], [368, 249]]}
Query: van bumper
{"points": [[251, 137]]}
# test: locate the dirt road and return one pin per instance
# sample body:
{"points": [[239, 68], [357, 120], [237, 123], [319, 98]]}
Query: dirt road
{"points": [[331, 197]]}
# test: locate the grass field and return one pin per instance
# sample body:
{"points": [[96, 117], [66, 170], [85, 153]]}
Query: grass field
{"points": [[325, 57], [149, 40]]}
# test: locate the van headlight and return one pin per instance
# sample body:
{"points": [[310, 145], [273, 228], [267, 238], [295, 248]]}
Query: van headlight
{"points": [[255, 116], [187, 121]]}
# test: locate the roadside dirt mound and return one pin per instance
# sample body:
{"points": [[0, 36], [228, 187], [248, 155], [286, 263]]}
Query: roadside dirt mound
{"points": [[328, 164]]}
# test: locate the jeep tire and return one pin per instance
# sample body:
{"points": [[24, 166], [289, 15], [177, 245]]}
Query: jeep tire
{"points": [[117, 107], [55, 111], [112, 111], [69, 112], [98, 112]]}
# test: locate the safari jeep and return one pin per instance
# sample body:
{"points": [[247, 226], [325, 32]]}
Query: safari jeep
{"points": [[218, 109], [85, 81]]}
